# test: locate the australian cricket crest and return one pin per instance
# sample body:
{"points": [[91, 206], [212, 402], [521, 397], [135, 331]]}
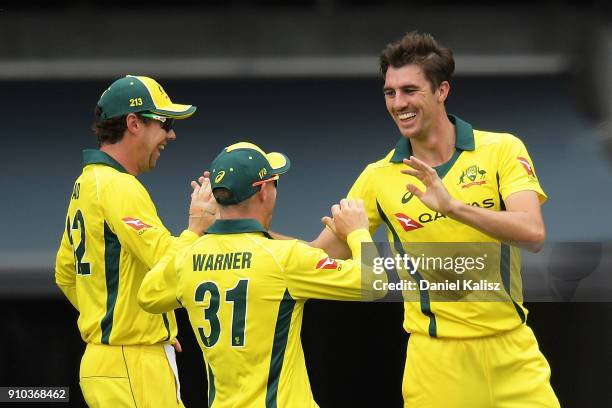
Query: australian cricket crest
{"points": [[472, 176]]}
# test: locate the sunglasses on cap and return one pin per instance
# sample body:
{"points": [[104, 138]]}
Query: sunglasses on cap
{"points": [[166, 123], [273, 178]]}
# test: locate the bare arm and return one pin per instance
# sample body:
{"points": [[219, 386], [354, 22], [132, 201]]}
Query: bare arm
{"points": [[157, 293], [327, 240], [521, 224], [203, 210], [331, 244]]}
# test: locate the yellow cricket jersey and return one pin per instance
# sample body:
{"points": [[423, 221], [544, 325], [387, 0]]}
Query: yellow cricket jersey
{"points": [[484, 170], [245, 295], [112, 238]]}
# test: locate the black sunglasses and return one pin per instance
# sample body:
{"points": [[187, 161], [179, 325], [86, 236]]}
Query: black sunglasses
{"points": [[166, 123]]}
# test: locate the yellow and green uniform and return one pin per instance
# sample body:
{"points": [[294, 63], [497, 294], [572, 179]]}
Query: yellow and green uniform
{"points": [[245, 294], [112, 238], [484, 170]]}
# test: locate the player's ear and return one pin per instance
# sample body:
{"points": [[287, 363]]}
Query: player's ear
{"points": [[262, 194], [266, 193], [442, 91], [132, 123]]}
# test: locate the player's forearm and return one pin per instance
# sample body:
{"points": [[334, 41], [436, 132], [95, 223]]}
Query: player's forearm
{"points": [[199, 223], [519, 228], [331, 244]]}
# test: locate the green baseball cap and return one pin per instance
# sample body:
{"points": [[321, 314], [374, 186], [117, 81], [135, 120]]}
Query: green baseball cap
{"points": [[243, 167], [133, 94]]}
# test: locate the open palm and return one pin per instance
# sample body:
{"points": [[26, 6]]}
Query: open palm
{"points": [[435, 196]]}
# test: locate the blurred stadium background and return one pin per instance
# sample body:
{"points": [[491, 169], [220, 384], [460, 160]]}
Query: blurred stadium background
{"points": [[298, 77]]}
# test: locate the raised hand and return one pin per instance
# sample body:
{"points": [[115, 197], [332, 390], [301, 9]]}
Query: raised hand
{"points": [[435, 196], [348, 216], [203, 210]]}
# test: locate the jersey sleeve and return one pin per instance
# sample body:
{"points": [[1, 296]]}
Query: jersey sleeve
{"points": [[310, 273], [133, 218], [363, 189], [157, 293], [65, 272], [516, 170]]}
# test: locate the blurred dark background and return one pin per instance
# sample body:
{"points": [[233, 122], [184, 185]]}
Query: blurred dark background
{"points": [[301, 78]]}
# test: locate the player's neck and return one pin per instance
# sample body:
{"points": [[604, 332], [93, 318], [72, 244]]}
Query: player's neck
{"points": [[123, 156], [239, 212], [437, 145]]}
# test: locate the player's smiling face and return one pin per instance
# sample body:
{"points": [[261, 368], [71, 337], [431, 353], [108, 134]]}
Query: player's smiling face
{"points": [[154, 141], [410, 100]]}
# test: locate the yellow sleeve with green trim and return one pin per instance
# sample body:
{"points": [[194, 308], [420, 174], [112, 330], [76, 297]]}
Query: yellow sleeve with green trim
{"points": [[516, 170], [363, 188], [65, 276], [157, 292], [134, 220], [310, 273]]}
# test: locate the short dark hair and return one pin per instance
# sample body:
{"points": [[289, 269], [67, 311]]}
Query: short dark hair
{"points": [[110, 131], [436, 61], [223, 196]]}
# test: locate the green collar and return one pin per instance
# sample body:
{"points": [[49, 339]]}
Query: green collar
{"points": [[95, 156], [237, 226], [464, 140]]}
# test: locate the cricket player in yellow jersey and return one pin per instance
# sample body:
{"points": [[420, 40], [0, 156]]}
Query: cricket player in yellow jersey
{"points": [[447, 182], [245, 292], [112, 237]]}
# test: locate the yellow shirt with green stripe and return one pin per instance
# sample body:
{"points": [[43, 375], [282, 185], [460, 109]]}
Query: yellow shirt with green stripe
{"points": [[245, 294], [112, 238], [484, 170]]}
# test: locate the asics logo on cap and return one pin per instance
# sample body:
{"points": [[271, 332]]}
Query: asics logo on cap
{"points": [[220, 176]]}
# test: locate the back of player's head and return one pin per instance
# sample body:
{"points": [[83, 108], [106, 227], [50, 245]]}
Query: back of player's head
{"points": [[423, 50], [239, 171], [138, 95]]}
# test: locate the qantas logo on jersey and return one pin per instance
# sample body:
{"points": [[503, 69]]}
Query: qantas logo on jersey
{"points": [[327, 263], [526, 166], [135, 223], [407, 223]]}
